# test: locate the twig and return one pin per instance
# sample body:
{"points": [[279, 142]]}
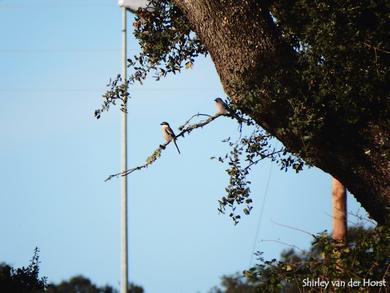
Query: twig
{"points": [[283, 243], [349, 221], [376, 48], [262, 157], [387, 269], [293, 228], [193, 116], [157, 152], [149, 161], [200, 124], [362, 218]]}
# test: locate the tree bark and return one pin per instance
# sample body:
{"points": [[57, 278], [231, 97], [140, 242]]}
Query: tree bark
{"points": [[246, 48]]}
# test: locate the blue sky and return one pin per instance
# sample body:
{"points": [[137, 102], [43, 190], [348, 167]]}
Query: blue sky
{"points": [[55, 60]]}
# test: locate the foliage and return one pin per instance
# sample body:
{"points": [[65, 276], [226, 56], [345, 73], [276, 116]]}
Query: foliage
{"points": [[343, 51], [168, 44], [235, 284], [24, 279], [245, 153], [78, 284], [365, 257], [166, 39], [338, 78], [81, 284]]}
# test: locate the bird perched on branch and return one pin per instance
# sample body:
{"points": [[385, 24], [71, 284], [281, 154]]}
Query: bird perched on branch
{"points": [[221, 107], [168, 134]]}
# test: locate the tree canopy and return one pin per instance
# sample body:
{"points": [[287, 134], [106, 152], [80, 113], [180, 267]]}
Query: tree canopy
{"points": [[24, 279], [27, 280], [81, 284], [315, 75], [365, 257]]}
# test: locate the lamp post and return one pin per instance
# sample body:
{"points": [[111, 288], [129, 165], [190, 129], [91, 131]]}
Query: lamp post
{"points": [[133, 6]]}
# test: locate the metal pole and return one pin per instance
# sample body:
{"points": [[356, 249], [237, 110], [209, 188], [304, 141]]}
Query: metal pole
{"points": [[124, 257]]}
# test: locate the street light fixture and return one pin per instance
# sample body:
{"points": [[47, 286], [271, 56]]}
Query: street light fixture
{"points": [[132, 6]]}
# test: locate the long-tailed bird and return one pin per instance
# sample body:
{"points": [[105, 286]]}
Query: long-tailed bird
{"points": [[168, 134]]}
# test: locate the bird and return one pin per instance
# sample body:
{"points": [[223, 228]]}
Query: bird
{"points": [[168, 134], [221, 107], [224, 109]]}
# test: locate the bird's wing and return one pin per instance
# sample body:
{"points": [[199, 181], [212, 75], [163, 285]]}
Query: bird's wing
{"points": [[170, 132], [226, 106]]}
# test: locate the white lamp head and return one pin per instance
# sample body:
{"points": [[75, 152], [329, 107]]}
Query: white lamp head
{"points": [[134, 5]]}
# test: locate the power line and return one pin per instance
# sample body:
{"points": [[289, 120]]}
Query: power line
{"points": [[57, 50], [48, 90], [261, 213], [54, 5], [39, 90]]}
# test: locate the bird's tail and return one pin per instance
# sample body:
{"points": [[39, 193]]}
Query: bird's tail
{"points": [[174, 141]]}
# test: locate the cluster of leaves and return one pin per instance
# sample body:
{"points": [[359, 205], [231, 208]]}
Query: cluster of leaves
{"points": [[245, 153], [343, 61], [167, 45], [366, 256], [166, 39], [24, 279], [336, 76], [234, 284], [27, 280], [80, 284], [117, 91]]}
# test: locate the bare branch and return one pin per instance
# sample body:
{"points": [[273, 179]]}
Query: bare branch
{"points": [[293, 228], [349, 221], [200, 124], [193, 116], [376, 48], [362, 218], [157, 152], [262, 157], [283, 243]]}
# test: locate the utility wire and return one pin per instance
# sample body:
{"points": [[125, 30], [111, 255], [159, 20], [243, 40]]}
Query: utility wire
{"points": [[261, 213], [55, 50], [54, 5], [40, 90]]}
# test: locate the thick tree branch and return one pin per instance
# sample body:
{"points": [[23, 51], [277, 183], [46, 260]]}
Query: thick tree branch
{"points": [[262, 74]]}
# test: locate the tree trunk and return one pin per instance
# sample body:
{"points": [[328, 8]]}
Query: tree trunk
{"points": [[247, 48], [339, 211]]}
